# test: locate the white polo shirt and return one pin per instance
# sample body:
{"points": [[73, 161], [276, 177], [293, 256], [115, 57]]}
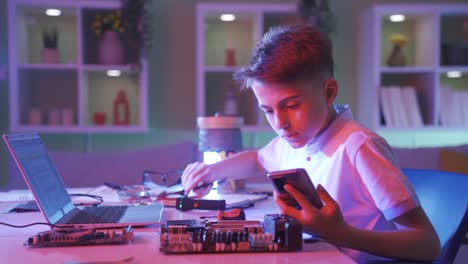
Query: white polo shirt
{"points": [[357, 168]]}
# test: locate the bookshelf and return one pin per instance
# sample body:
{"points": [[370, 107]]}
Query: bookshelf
{"points": [[63, 92], [437, 38]]}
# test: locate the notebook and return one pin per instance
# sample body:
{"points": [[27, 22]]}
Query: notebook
{"points": [[48, 189]]}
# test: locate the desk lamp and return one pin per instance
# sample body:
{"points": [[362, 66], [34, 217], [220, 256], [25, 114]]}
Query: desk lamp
{"points": [[218, 138]]}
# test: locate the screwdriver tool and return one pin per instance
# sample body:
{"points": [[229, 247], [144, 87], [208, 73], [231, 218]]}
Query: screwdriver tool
{"points": [[185, 203]]}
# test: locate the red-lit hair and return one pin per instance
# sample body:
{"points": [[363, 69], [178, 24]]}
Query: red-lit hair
{"points": [[289, 54]]}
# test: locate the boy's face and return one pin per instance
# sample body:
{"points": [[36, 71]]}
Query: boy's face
{"points": [[297, 111]]}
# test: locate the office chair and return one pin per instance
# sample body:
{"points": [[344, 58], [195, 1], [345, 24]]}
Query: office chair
{"points": [[444, 197]]}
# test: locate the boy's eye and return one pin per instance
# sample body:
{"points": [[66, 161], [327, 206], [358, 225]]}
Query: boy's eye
{"points": [[292, 106], [268, 111]]}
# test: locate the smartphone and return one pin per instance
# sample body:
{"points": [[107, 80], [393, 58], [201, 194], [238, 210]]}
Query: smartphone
{"points": [[300, 180]]}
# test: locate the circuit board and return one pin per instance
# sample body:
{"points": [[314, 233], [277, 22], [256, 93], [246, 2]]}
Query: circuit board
{"points": [[61, 237], [275, 234]]}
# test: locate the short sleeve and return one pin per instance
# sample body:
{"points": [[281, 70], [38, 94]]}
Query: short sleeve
{"points": [[391, 191]]}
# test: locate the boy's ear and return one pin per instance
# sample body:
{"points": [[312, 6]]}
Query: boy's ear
{"points": [[331, 89]]}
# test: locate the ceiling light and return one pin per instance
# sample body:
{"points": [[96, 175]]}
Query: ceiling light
{"points": [[227, 17], [454, 74], [53, 12], [397, 18], [113, 73]]}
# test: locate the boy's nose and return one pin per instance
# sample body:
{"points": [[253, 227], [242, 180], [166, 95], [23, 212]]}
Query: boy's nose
{"points": [[281, 120]]}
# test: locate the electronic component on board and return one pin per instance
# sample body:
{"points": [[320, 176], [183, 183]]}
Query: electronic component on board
{"points": [[61, 237], [229, 236], [287, 230]]}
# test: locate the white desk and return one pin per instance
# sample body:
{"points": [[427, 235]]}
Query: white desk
{"points": [[145, 248]]}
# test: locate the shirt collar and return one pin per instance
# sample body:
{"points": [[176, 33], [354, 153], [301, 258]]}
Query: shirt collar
{"points": [[343, 114]]}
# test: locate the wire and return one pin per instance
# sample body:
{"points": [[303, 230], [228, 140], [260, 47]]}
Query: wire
{"points": [[31, 224], [99, 199]]}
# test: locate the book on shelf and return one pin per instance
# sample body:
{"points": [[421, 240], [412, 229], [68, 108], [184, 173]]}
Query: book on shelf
{"points": [[453, 108], [464, 103], [400, 107], [386, 106], [411, 104]]}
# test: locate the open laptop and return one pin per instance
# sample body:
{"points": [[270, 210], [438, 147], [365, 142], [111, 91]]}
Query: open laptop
{"points": [[46, 184]]}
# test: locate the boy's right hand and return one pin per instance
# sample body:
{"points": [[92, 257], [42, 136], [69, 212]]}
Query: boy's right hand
{"points": [[196, 174]]}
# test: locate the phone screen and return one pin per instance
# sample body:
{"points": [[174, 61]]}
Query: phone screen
{"points": [[300, 180]]}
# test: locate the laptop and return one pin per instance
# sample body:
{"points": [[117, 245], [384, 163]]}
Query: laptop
{"points": [[52, 198]]}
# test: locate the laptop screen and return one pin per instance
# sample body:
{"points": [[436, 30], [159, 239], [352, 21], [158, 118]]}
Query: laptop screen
{"points": [[44, 179]]}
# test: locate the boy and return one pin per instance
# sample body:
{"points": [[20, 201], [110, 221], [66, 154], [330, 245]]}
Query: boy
{"points": [[370, 207]]}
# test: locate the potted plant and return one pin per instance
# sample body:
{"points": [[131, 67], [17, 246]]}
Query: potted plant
{"points": [[317, 13], [397, 57], [137, 27], [50, 53], [108, 27]]}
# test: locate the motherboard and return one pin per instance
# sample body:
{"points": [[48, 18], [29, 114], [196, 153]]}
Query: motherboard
{"points": [[277, 233]]}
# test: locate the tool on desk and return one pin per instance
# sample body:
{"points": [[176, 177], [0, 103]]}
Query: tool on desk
{"points": [[185, 203], [114, 186], [31, 206], [231, 214], [167, 178], [164, 194]]}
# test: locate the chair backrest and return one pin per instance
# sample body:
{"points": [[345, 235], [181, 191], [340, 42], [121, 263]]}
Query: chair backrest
{"points": [[444, 197]]}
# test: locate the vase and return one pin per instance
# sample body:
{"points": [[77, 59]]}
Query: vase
{"points": [[50, 55], [397, 57], [99, 118], [110, 48], [230, 59]]}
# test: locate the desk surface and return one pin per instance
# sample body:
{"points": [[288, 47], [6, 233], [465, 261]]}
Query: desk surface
{"points": [[145, 247]]}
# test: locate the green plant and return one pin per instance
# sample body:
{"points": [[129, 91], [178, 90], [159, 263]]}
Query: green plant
{"points": [[318, 14], [50, 38], [108, 21], [137, 23]]}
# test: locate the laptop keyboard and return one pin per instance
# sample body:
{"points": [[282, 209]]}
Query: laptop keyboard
{"points": [[99, 214]]}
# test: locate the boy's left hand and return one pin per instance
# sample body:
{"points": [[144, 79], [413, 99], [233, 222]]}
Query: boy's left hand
{"points": [[327, 222]]}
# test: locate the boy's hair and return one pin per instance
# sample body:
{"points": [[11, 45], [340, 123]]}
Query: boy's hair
{"points": [[289, 54]]}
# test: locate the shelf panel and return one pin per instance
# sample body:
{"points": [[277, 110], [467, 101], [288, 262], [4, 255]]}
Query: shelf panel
{"points": [[247, 106], [227, 69], [104, 68], [30, 24], [238, 35], [454, 39], [453, 68], [453, 100], [91, 41], [47, 96], [48, 66], [407, 69], [102, 91], [82, 129], [424, 84], [419, 31], [58, 96]]}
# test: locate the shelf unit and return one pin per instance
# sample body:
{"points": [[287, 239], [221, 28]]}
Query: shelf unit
{"points": [[429, 29], [63, 96], [214, 37]]}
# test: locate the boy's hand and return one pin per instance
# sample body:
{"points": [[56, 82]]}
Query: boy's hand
{"points": [[326, 222], [196, 174]]}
